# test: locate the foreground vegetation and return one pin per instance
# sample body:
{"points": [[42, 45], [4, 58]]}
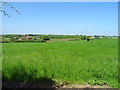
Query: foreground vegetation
{"points": [[94, 62]]}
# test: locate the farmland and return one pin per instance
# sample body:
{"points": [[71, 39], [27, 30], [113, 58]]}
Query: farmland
{"points": [[81, 62]]}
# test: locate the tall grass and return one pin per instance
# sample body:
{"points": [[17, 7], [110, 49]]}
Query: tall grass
{"points": [[94, 62]]}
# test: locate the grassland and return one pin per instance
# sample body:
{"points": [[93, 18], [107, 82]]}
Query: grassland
{"points": [[94, 62]]}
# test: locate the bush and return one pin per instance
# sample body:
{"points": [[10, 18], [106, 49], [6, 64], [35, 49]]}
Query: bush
{"points": [[5, 41], [22, 41], [97, 37], [83, 38], [46, 38], [43, 41]]}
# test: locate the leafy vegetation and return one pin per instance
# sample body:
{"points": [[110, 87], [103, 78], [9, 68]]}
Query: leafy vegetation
{"points": [[2, 3]]}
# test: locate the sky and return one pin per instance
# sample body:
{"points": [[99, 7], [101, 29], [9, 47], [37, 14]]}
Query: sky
{"points": [[66, 18]]}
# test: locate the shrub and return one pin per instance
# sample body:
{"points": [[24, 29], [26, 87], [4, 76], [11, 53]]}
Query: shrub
{"points": [[5, 41], [97, 37], [46, 38], [83, 38]]}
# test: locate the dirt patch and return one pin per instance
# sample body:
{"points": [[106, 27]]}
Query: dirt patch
{"points": [[84, 86]]}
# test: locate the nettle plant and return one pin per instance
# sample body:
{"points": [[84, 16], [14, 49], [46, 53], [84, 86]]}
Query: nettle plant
{"points": [[7, 4]]}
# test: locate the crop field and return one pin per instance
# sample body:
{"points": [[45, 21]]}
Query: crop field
{"points": [[94, 62]]}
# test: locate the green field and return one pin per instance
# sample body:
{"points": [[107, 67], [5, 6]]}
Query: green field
{"points": [[94, 62]]}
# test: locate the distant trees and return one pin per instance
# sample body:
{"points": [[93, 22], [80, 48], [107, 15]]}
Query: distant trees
{"points": [[97, 37], [88, 38], [83, 37], [104, 37]]}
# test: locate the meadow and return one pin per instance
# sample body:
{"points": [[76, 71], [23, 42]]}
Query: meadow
{"points": [[82, 62]]}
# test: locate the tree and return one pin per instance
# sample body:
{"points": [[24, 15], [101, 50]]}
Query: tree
{"points": [[10, 5], [88, 38], [97, 37]]}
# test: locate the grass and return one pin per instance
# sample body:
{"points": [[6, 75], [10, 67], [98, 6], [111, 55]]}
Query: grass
{"points": [[94, 62]]}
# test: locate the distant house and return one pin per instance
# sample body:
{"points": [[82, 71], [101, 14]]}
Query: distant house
{"points": [[20, 38], [15, 38], [26, 37]]}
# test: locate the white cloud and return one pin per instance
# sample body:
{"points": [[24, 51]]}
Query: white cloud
{"points": [[61, 0]]}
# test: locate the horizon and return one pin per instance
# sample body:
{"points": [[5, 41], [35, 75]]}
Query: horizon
{"points": [[62, 18], [58, 34]]}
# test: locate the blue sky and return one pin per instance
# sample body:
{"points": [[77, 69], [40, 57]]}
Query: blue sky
{"points": [[85, 18]]}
